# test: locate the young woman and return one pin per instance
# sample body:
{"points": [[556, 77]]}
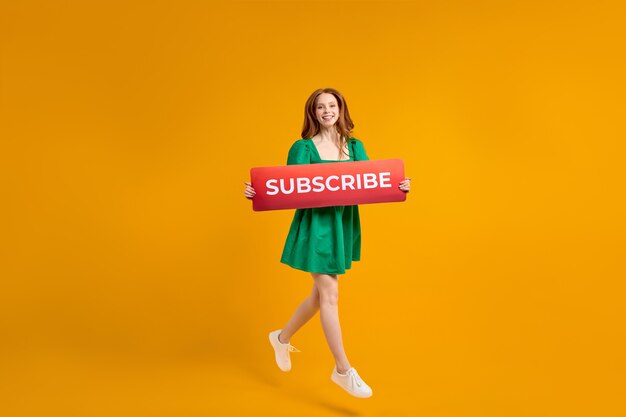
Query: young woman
{"points": [[323, 241]]}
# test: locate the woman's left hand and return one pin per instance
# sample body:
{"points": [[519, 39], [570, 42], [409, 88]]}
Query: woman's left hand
{"points": [[406, 185]]}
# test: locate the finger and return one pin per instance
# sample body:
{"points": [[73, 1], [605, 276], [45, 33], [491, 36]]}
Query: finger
{"points": [[247, 183]]}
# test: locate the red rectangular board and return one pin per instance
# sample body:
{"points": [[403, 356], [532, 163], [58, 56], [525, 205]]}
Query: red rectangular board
{"points": [[327, 184]]}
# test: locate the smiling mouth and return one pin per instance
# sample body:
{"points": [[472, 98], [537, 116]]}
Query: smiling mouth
{"points": [[327, 117]]}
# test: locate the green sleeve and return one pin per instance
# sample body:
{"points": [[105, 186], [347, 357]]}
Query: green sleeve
{"points": [[299, 153], [359, 151]]}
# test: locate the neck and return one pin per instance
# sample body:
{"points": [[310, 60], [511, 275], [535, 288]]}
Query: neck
{"points": [[328, 134]]}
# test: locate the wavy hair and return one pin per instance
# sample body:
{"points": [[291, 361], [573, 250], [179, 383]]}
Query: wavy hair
{"points": [[344, 124]]}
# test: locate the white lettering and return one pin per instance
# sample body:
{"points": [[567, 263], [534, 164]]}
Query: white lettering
{"points": [[328, 183], [269, 184], [384, 176], [303, 185], [369, 181], [291, 186], [347, 181], [319, 184]]}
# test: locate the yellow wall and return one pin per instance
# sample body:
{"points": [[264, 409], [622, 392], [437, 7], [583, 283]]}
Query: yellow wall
{"points": [[136, 280]]}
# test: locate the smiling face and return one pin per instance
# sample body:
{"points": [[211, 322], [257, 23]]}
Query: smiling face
{"points": [[326, 110]]}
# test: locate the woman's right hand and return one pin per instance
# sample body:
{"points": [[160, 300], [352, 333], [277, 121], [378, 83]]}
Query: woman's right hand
{"points": [[249, 191]]}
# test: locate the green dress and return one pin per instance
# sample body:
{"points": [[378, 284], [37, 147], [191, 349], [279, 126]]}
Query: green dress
{"points": [[323, 240]]}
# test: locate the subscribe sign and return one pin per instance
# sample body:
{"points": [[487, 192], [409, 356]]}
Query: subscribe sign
{"points": [[327, 184]]}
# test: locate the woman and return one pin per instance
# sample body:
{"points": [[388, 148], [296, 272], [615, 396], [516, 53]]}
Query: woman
{"points": [[323, 241]]}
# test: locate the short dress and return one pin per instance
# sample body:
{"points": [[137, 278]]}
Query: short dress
{"points": [[323, 240]]}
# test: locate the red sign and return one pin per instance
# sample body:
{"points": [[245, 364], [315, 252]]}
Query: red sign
{"points": [[327, 184]]}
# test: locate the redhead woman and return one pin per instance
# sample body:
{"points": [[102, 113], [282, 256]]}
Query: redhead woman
{"points": [[323, 241]]}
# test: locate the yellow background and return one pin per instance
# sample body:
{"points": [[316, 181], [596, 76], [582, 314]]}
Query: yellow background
{"points": [[137, 281]]}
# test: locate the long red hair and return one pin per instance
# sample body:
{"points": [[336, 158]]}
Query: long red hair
{"points": [[344, 124]]}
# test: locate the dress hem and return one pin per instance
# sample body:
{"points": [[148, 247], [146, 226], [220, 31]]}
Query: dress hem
{"points": [[319, 272]]}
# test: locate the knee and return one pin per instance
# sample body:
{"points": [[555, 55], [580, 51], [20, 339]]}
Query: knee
{"points": [[329, 296], [327, 289]]}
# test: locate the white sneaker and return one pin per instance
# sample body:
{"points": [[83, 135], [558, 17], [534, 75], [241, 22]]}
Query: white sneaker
{"points": [[352, 383], [281, 351]]}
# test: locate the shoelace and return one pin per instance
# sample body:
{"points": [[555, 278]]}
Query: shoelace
{"points": [[292, 349]]}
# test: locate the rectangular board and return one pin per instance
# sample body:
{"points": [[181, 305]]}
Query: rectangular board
{"points": [[327, 184]]}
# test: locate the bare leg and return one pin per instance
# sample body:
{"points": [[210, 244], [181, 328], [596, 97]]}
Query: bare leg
{"points": [[328, 288], [303, 313]]}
